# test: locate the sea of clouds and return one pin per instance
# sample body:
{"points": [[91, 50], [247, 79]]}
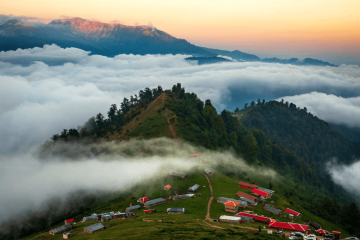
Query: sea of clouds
{"points": [[45, 90]]}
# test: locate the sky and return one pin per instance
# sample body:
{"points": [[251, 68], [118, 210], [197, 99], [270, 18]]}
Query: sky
{"points": [[322, 29]]}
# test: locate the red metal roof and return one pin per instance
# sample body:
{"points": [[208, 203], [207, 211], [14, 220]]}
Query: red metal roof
{"points": [[292, 212], [259, 192], [144, 199], [322, 231], [241, 194], [290, 226], [300, 227], [256, 217], [147, 210], [69, 220], [247, 185], [168, 186], [231, 203]]}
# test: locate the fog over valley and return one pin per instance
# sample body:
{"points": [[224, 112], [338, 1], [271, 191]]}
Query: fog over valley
{"points": [[44, 90]]}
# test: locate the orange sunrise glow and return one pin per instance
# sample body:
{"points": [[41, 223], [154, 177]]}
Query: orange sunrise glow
{"points": [[258, 26]]}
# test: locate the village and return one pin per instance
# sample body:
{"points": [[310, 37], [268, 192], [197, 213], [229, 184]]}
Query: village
{"points": [[252, 207]]}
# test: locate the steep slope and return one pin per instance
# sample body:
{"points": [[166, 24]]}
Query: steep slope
{"points": [[152, 121]]}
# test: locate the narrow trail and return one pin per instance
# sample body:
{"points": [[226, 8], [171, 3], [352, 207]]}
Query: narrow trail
{"points": [[173, 132], [170, 126], [207, 217]]}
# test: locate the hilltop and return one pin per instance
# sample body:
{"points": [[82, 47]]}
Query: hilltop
{"points": [[182, 116]]}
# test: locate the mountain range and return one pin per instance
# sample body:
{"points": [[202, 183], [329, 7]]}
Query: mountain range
{"points": [[113, 39]]}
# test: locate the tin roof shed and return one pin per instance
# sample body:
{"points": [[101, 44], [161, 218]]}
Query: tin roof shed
{"points": [[95, 227], [61, 229]]}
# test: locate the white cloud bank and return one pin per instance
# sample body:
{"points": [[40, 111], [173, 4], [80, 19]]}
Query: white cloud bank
{"points": [[332, 108], [28, 181], [44, 90], [347, 176]]}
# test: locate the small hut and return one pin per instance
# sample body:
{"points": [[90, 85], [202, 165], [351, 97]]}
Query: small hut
{"points": [[260, 193], [246, 219], [142, 200], [271, 209], [167, 187], [94, 228], [149, 211], [71, 221], [244, 195], [154, 202], [64, 228], [272, 192], [130, 215], [106, 218], [90, 218], [314, 225], [230, 219], [194, 188], [133, 208], [182, 197], [247, 185], [296, 214], [176, 210], [66, 235], [231, 206], [208, 172], [248, 201], [119, 215]]}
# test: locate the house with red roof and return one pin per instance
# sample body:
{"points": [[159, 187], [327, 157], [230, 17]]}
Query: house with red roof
{"points": [[260, 193], [231, 206], [244, 195], [247, 185], [289, 226], [149, 211], [71, 221], [255, 217], [142, 200], [296, 214]]}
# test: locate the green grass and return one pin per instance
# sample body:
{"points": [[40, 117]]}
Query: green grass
{"points": [[191, 224]]}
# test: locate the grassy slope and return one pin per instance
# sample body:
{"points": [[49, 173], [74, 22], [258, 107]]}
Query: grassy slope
{"points": [[191, 224], [154, 121]]}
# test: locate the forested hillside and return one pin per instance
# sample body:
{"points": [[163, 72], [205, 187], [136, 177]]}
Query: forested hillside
{"points": [[277, 135], [298, 130]]}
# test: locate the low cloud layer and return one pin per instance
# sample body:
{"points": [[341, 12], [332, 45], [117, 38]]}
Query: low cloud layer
{"points": [[332, 108], [346, 176], [44, 90], [28, 181]]}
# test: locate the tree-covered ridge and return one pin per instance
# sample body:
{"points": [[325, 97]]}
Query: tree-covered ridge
{"points": [[298, 130]]}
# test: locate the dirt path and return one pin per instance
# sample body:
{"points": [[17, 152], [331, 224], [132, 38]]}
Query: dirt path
{"points": [[170, 126], [207, 217]]}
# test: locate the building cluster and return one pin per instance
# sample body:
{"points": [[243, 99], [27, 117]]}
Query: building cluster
{"points": [[260, 195]]}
